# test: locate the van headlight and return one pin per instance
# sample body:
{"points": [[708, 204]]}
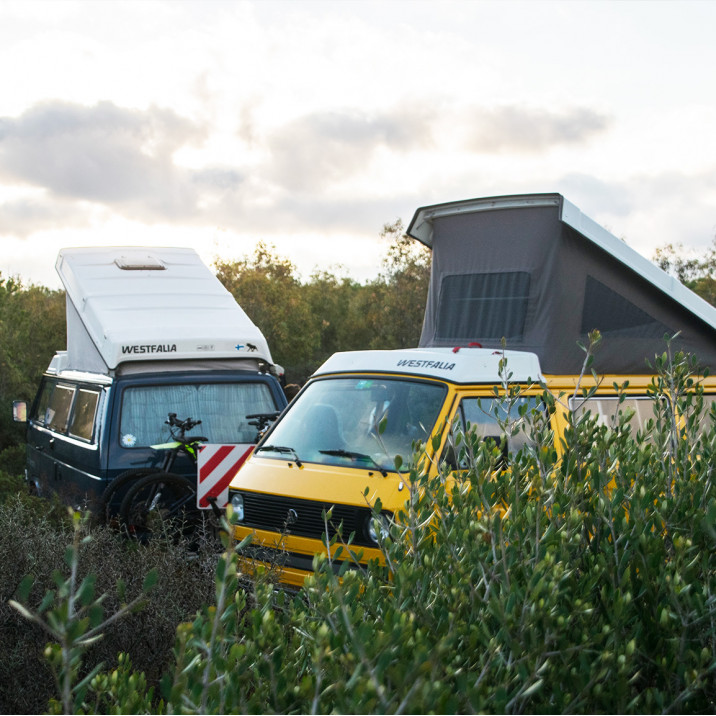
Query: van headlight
{"points": [[237, 505], [378, 527]]}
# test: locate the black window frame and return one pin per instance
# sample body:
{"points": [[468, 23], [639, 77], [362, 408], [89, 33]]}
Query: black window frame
{"points": [[45, 401]]}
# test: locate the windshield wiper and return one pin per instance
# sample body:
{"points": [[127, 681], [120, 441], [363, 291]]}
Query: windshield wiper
{"points": [[282, 449], [355, 456]]}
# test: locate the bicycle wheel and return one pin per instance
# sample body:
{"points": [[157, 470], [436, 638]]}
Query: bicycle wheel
{"points": [[160, 503], [109, 504]]}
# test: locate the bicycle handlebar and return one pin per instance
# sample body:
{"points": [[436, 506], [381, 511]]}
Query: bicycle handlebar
{"points": [[182, 425]]}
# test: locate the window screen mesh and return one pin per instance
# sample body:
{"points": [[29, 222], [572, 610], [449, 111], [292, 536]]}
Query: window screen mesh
{"points": [[483, 305], [611, 313]]}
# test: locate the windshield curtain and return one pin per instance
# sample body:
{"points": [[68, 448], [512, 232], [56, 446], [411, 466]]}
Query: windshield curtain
{"points": [[221, 407], [357, 422]]}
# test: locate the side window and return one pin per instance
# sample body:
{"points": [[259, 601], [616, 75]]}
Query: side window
{"points": [[706, 422], [83, 415], [607, 409], [485, 418], [58, 409], [40, 414]]}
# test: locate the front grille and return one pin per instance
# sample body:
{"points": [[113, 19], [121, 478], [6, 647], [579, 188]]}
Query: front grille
{"points": [[282, 559], [273, 513]]}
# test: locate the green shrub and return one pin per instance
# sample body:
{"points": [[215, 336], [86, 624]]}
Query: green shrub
{"points": [[594, 592], [33, 542], [572, 585], [12, 460]]}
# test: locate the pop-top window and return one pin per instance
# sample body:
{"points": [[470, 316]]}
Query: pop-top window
{"points": [[221, 407], [612, 313], [483, 305]]}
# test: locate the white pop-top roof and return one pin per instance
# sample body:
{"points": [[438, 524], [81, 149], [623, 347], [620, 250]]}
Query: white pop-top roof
{"points": [[461, 366], [144, 304]]}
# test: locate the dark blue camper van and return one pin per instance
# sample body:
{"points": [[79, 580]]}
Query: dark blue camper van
{"points": [[149, 332], [84, 430]]}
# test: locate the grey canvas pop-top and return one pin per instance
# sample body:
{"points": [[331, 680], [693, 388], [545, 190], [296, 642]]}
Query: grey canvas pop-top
{"points": [[535, 270]]}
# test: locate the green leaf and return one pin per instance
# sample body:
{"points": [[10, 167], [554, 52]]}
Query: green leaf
{"points": [[46, 601], [245, 542], [121, 590], [23, 590], [150, 581], [85, 593]]}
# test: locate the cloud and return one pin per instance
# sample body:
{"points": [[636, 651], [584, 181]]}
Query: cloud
{"points": [[293, 178], [521, 129], [322, 148], [649, 210], [105, 153], [23, 217], [292, 213], [609, 197]]}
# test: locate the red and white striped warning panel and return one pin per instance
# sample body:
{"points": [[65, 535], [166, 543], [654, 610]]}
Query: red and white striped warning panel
{"points": [[217, 466]]}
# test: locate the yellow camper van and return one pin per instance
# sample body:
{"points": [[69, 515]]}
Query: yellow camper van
{"points": [[334, 448], [517, 281]]}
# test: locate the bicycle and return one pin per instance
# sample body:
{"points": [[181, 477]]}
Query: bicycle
{"points": [[110, 504], [162, 496]]}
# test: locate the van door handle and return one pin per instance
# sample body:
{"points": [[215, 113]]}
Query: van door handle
{"points": [[52, 443]]}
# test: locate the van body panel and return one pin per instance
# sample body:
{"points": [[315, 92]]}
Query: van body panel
{"points": [[64, 447], [322, 483]]}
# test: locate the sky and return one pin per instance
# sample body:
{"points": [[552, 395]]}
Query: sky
{"points": [[310, 125]]}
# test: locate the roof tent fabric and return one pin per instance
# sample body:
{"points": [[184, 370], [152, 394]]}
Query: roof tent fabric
{"points": [[537, 272]]}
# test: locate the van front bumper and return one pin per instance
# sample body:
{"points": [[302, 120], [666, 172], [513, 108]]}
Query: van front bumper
{"points": [[292, 557]]}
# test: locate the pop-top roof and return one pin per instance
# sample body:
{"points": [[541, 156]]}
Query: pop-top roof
{"points": [[462, 366], [534, 270], [129, 304]]}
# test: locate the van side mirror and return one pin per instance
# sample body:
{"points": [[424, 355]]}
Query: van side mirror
{"points": [[19, 411]]}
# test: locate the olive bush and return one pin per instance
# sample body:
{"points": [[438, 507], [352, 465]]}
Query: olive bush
{"points": [[578, 575]]}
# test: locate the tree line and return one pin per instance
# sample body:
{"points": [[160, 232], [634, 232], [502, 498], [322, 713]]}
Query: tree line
{"points": [[304, 321]]}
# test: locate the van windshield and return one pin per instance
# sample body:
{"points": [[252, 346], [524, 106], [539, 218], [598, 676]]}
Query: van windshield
{"points": [[338, 421], [221, 407]]}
